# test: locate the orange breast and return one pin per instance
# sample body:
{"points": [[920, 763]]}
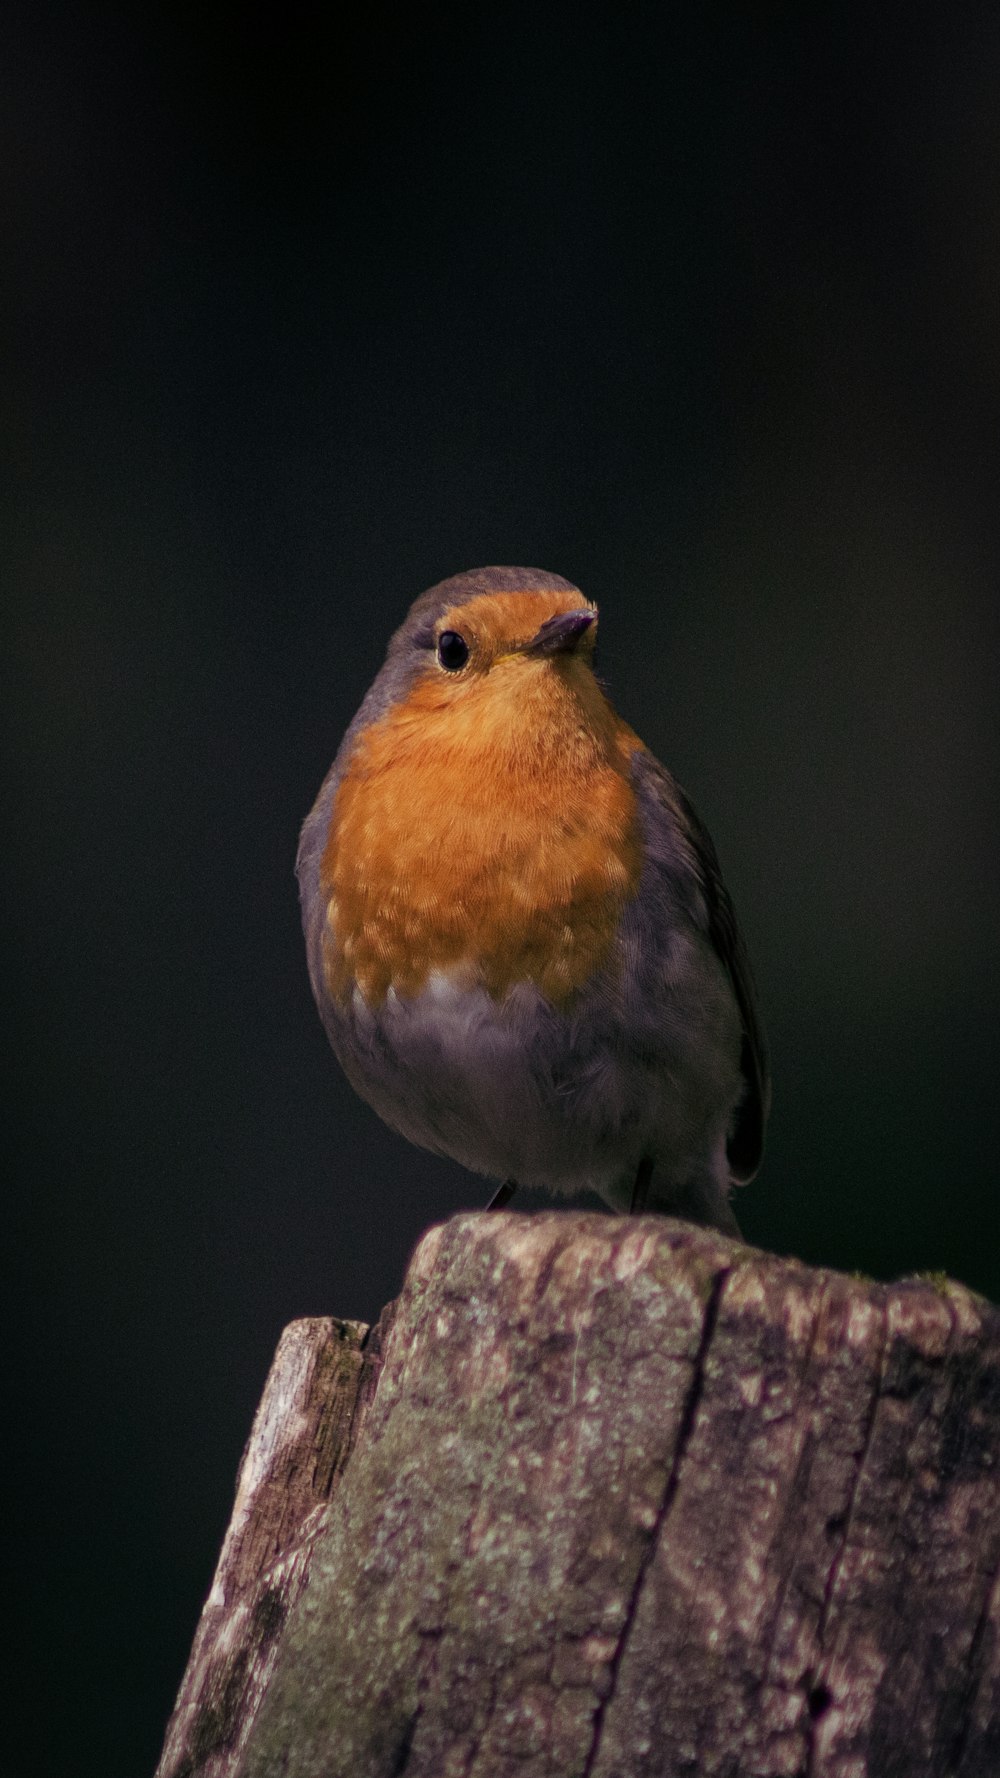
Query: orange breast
{"points": [[491, 833]]}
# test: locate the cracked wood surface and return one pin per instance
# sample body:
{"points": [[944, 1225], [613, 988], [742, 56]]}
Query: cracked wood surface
{"points": [[315, 1399], [623, 1499]]}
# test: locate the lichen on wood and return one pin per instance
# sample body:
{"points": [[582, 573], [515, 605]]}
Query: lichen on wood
{"points": [[310, 1414], [631, 1500]]}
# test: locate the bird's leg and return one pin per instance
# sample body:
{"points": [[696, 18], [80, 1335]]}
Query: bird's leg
{"points": [[643, 1176], [502, 1195]]}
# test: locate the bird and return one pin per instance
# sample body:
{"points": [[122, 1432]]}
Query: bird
{"points": [[517, 931]]}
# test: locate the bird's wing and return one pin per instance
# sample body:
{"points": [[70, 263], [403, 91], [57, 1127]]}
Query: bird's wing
{"points": [[746, 1142]]}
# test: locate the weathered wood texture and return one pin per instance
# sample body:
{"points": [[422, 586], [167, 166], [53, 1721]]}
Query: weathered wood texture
{"points": [[628, 1499], [316, 1396]]}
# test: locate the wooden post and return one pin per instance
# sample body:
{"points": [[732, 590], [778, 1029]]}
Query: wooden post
{"points": [[613, 1498]]}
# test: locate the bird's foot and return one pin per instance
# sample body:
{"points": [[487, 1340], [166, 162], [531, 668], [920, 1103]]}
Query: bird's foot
{"points": [[640, 1189], [502, 1195]]}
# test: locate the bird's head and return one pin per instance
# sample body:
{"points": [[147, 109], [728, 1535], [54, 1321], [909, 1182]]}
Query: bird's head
{"points": [[501, 659]]}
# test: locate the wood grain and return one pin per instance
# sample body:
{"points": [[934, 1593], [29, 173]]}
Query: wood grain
{"points": [[626, 1500], [311, 1413]]}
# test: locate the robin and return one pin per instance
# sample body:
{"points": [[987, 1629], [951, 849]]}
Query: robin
{"points": [[519, 939]]}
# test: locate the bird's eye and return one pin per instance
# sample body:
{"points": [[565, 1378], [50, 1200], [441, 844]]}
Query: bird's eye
{"points": [[453, 650]]}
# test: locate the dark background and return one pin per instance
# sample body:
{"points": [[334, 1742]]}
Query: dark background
{"points": [[698, 307]]}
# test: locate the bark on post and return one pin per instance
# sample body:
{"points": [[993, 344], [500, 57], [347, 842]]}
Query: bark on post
{"points": [[629, 1499]]}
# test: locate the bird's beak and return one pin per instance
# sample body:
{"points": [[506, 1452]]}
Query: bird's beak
{"points": [[560, 634]]}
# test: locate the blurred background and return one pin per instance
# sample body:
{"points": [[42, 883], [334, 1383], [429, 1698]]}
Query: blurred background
{"points": [[696, 306]]}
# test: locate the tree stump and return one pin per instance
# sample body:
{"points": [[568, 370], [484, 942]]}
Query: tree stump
{"points": [[614, 1498]]}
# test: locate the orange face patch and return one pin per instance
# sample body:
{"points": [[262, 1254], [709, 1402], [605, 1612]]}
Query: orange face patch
{"points": [[486, 826], [495, 624]]}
